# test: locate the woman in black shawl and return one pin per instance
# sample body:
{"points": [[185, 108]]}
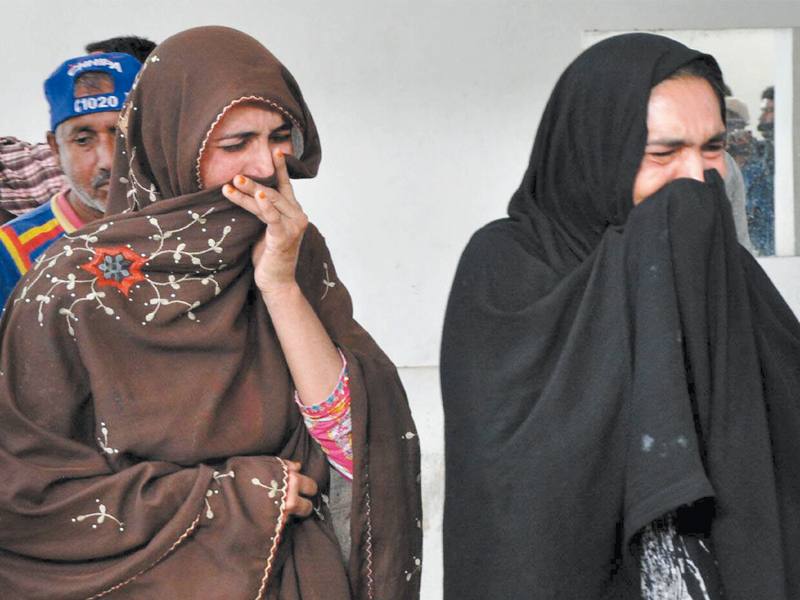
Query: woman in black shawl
{"points": [[620, 378]]}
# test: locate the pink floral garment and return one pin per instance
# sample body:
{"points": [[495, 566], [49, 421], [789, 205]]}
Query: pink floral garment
{"points": [[329, 423]]}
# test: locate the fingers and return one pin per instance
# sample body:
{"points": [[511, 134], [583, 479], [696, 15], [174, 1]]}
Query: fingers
{"points": [[282, 173], [261, 200], [300, 489], [246, 201]]}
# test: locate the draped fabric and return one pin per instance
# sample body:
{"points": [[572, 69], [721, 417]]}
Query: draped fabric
{"points": [[604, 365], [145, 405]]}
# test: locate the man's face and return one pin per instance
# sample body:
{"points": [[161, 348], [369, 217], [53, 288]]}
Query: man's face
{"points": [[766, 122], [85, 149], [685, 135]]}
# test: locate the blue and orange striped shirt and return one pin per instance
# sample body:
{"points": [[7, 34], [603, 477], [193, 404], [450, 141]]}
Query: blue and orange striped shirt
{"points": [[24, 239]]}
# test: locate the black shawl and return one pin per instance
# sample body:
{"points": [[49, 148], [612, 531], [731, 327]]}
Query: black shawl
{"points": [[603, 365]]}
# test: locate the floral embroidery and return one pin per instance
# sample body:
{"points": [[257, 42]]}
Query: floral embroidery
{"points": [[327, 282], [417, 567], [210, 493], [101, 517], [121, 268], [118, 267], [104, 442], [136, 186], [272, 487]]}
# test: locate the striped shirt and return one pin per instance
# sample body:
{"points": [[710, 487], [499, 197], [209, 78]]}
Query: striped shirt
{"points": [[24, 239], [29, 175]]}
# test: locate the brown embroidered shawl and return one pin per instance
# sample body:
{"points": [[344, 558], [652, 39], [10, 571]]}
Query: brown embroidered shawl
{"points": [[145, 405]]}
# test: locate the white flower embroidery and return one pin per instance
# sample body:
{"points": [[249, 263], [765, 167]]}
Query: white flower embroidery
{"points": [[326, 281], [210, 493], [272, 487], [101, 517], [104, 441], [114, 270], [417, 567]]}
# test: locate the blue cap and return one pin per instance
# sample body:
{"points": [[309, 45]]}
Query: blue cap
{"points": [[60, 86]]}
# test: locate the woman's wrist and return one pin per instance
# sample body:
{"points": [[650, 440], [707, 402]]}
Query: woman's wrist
{"points": [[285, 291]]}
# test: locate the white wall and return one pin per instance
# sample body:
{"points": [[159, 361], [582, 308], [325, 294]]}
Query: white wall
{"points": [[427, 112]]}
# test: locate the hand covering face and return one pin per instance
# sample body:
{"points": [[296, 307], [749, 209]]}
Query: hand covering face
{"points": [[145, 405], [603, 365]]}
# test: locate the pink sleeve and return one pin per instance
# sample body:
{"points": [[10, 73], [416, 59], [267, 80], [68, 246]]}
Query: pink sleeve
{"points": [[329, 423]]}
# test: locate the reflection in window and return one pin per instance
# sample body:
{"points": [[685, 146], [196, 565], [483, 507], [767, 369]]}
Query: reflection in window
{"points": [[756, 161]]}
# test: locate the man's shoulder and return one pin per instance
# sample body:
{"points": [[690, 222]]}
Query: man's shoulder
{"points": [[36, 217], [23, 239]]}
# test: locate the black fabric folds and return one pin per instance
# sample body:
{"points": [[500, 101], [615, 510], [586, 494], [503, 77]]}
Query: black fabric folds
{"points": [[603, 365]]}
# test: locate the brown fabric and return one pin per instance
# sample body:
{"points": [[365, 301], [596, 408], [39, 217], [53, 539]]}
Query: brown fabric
{"points": [[145, 404]]}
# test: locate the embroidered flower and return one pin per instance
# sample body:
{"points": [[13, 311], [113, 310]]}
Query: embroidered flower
{"points": [[117, 267], [100, 517]]}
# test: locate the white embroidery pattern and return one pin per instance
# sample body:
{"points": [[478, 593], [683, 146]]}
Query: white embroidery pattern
{"points": [[417, 567], [210, 493], [136, 186], [119, 267], [327, 282], [104, 441], [273, 488], [101, 516]]}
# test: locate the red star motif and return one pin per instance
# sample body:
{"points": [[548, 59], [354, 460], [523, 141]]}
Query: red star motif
{"points": [[117, 267]]}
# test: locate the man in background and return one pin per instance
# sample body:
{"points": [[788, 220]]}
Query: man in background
{"points": [[29, 173], [85, 95], [757, 169]]}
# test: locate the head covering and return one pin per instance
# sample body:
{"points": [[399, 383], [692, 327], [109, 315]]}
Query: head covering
{"points": [[604, 365], [592, 137], [145, 404], [59, 88], [740, 110]]}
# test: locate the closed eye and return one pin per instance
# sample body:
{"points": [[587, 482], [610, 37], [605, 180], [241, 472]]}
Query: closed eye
{"points": [[280, 138], [281, 134], [234, 147]]}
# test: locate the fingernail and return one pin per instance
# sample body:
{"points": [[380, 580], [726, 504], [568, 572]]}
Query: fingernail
{"points": [[240, 180], [227, 188], [279, 153], [262, 195]]}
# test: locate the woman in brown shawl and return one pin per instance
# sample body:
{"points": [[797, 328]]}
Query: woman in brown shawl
{"points": [[150, 443]]}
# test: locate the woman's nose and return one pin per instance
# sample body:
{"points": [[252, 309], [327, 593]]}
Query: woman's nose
{"points": [[693, 166], [261, 164]]}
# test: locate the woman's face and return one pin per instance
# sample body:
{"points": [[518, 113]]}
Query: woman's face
{"points": [[243, 143], [685, 135]]}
